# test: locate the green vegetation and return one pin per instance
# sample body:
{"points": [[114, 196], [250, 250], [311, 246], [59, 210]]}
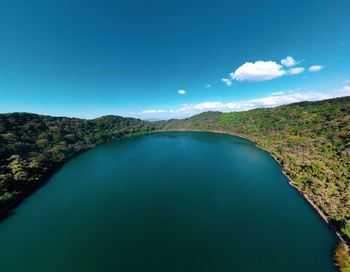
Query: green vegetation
{"points": [[346, 229], [33, 146], [342, 258]]}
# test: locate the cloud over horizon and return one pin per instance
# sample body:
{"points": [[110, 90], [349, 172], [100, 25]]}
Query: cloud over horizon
{"points": [[345, 91], [273, 100], [269, 101], [153, 111]]}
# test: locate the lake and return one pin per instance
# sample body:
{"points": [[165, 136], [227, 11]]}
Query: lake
{"points": [[172, 201]]}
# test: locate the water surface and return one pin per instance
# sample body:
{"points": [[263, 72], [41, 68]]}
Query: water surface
{"points": [[177, 201]]}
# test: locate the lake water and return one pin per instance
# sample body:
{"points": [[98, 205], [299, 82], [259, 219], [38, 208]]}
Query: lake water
{"points": [[177, 201]]}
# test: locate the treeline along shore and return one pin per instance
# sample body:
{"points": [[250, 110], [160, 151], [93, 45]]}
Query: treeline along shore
{"points": [[310, 140], [33, 147]]}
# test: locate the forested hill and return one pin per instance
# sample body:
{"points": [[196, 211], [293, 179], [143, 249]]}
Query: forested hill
{"points": [[311, 140], [33, 146]]}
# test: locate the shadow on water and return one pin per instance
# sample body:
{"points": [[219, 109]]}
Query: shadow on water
{"points": [[7, 214]]}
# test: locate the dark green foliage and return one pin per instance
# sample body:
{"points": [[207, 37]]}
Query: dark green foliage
{"points": [[341, 257], [346, 229], [32, 146]]}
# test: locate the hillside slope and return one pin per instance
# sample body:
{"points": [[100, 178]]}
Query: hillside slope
{"points": [[33, 146], [311, 140]]}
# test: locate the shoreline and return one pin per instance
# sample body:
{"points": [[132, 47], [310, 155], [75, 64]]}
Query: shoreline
{"points": [[290, 182], [7, 209]]}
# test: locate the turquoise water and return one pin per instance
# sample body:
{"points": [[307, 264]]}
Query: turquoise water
{"points": [[177, 201]]}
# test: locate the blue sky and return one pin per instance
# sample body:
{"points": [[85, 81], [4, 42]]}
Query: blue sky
{"points": [[131, 58]]}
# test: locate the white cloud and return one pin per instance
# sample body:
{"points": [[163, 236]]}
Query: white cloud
{"points": [[315, 68], [269, 101], [274, 99], [296, 70], [181, 92], [288, 98], [207, 105], [343, 91], [153, 111], [288, 61], [257, 71], [227, 81], [277, 93], [207, 86], [346, 89]]}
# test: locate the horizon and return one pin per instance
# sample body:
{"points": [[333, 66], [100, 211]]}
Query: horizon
{"points": [[159, 60], [167, 119]]}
